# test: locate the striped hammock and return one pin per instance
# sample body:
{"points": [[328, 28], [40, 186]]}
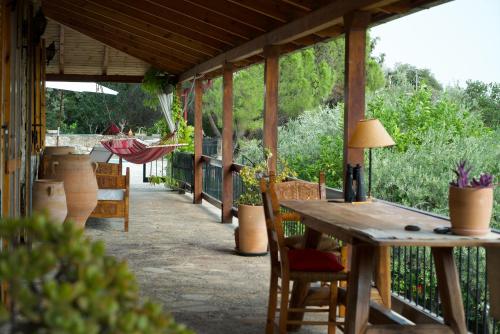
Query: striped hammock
{"points": [[136, 151]]}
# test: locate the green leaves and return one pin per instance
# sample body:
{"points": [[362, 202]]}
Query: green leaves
{"points": [[61, 282]]}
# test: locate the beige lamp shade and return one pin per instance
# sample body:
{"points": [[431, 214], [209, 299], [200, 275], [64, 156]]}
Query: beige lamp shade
{"points": [[370, 133]]}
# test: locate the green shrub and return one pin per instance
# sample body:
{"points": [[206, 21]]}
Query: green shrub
{"points": [[61, 282]]}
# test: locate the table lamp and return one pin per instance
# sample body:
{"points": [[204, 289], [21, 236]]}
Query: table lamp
{"points": [[370, 133]]}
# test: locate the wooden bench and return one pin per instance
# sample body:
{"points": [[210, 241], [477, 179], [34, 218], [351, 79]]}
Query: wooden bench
{"points": [[113, 193]]}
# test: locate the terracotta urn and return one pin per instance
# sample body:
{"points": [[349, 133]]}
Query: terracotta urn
{"points": [[252, 232], [49, 197], [80, 184], [470, 210], [48, 151]]}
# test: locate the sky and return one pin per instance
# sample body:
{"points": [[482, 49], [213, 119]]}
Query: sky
{"points": [[457, 41]]}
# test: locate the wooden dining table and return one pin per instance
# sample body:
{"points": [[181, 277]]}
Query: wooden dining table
{"points": [[370, 227]]}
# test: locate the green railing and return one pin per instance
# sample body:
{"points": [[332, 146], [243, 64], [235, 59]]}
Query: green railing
{"points": [[412, 268]]}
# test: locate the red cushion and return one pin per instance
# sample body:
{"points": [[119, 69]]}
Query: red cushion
{"points": [[313, 260]]}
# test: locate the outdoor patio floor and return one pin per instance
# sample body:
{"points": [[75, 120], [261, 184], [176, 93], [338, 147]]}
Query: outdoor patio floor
{"points": [[184, 258]]}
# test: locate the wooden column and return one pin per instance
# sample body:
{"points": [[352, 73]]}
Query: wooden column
{"points": [[354, 81], [227, 144], [271, 79], [198, 142]]}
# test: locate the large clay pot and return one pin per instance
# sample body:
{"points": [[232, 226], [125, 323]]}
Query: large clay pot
{"points": [[252, 232], [470, 210], [49, 197], [80, 184], [44, 170]]}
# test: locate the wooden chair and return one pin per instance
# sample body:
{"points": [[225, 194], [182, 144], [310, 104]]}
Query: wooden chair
{"points": [[302, 190], [292, 265], [114, 192]]}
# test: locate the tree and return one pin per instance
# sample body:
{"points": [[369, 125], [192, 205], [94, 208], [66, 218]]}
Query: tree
{"points": [[406, 73], [484, 99]]}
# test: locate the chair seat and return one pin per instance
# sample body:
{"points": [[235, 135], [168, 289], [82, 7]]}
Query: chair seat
{"points": [[313, 260], [326, 244]]}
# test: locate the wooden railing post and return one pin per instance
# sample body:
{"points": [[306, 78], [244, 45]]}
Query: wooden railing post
{"points": [[198, 142], [271, 79], [354, 81], [227, 144]]}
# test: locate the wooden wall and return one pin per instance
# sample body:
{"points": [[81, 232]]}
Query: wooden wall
{"points": [[22, 109]]}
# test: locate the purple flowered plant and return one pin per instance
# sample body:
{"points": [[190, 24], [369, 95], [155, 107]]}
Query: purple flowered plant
{"points": [[462, 172], [485, 180]]}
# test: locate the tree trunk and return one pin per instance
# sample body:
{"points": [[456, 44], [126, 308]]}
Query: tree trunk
{"points": [[213, 125]]}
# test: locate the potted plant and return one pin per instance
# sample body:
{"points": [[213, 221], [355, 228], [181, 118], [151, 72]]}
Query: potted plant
{"points": [[251, 234], [470, 202], [58, 281]]}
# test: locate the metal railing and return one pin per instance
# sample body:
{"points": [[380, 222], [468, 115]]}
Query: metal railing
{"points": [[155, 168], [412, 268]]}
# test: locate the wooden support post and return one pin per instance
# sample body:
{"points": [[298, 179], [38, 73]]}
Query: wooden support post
{"points": [[271, 79], [5, 108], [198, 142], [227, 144], [61, 49], [354, 81]]}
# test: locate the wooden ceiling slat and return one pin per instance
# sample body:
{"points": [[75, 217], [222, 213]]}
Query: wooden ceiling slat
{"points": [[201, 14], [185, 22], [156, 59], [147, 31], [109, 32], [95, 78], [275, 9], [238, 13], [308, 5], [179, 49]]}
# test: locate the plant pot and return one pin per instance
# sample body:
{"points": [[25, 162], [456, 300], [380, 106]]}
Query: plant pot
{"points": [[44, 169], [470, 210], [252, 232], [49, 197], [80, 184]]}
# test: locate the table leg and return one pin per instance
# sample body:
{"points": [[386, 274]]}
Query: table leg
{"points": [[383, 275], [299, 291], [449, 289], [358, 288]]}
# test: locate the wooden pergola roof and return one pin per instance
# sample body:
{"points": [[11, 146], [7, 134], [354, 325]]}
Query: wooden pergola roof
{"points": [[187, 38], [81, 58]]}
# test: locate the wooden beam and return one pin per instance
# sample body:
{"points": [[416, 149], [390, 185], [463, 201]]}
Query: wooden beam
{"points": [[271, 80], [227, 144], [94, 78], [317, 20], [198, 142], [450, 293], [61, 49], [105, 60], [354, 82]]}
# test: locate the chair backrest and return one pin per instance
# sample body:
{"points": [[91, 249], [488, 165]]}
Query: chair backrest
{"points": [[107, 168], [300, 190], [277, 248]]}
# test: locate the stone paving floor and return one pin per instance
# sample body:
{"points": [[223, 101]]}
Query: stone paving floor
{"points": [[184, 258]]}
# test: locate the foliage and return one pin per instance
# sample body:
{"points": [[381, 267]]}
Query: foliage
{"points": [[167, 181], [251, 176], [409, 114], [155, 82], [92, 113], [404, 74], [61, 282], [484, 99]]}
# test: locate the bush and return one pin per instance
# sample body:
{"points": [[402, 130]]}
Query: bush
{"points": [[61, 282]]}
